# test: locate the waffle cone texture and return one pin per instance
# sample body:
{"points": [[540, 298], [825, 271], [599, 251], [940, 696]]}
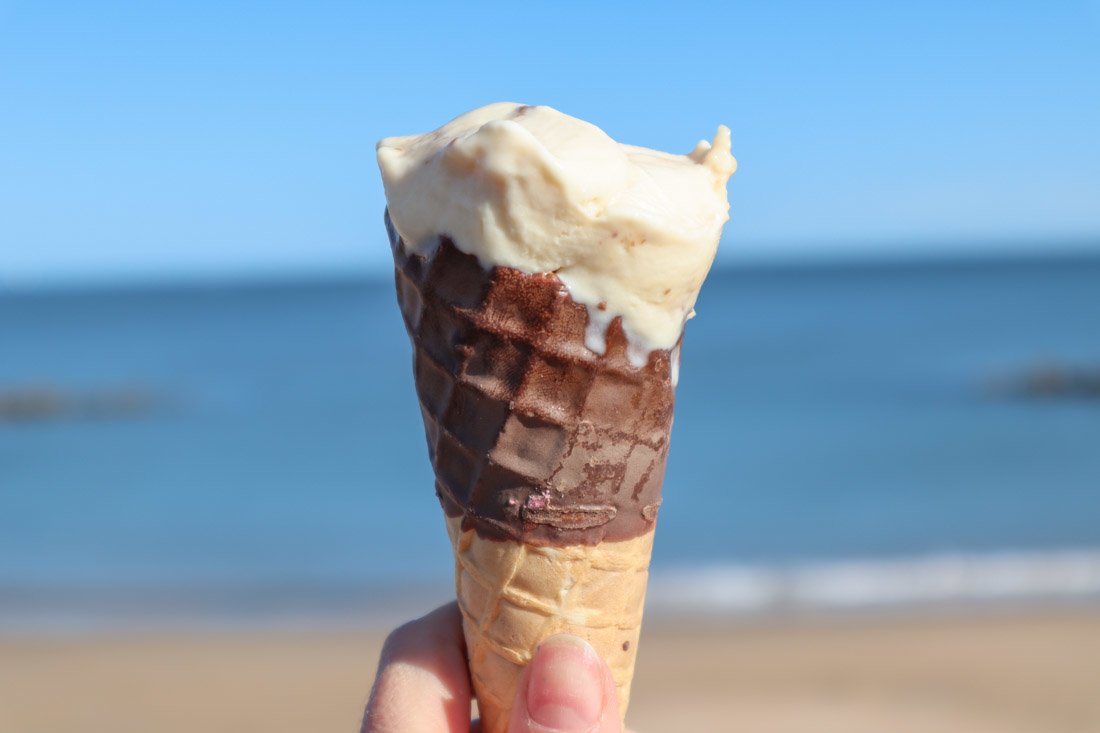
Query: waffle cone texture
{"points": [[514, 595], [548, 457]]}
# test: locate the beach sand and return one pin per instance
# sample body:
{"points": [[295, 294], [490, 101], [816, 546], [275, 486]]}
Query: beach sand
{"points": [[1003, 673]]}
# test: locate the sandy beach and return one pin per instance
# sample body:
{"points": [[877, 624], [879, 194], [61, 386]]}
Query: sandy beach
{"points": [[1006, 673]]}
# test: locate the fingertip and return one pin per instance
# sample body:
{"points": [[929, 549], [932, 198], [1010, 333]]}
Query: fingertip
{"points": [[442, 624], [566, 688]]}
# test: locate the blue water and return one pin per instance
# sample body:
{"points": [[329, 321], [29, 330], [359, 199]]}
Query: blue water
{"points": [[830, 413]]}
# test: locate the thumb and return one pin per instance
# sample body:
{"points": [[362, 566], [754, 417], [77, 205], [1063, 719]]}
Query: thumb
{"points": [[566, 688]]}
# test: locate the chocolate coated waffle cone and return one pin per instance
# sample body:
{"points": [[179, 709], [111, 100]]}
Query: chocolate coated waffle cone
{"points": [[548, 457]]}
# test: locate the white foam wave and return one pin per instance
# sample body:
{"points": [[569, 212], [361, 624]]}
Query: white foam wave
{"points": [[943, 579]]}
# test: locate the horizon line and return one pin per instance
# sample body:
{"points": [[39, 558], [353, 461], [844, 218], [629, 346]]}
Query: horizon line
{"points": [[754, 258]]}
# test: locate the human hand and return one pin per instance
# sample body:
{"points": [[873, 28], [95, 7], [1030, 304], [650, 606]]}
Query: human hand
{"points": [[423, 685]]}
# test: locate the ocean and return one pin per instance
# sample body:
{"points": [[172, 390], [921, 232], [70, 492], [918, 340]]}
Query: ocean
{"points": [[846, 437]]}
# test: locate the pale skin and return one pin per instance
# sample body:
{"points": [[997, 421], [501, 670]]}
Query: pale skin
{"points": [[423, 685]]}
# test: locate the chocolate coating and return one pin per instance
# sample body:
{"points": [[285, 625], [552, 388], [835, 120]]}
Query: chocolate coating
{"points": [[533, 437]]}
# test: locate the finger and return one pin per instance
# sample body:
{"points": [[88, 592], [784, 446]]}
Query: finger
{"points": [[422, 685], [566, 688]]}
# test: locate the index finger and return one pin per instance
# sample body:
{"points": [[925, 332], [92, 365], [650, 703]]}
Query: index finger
{"points": [[422, 685]]}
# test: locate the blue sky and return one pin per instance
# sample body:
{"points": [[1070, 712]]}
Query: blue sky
{"points": [[157, 139]]}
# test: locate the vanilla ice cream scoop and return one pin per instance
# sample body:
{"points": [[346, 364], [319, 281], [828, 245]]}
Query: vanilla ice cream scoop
{"points": [[631, 232]]}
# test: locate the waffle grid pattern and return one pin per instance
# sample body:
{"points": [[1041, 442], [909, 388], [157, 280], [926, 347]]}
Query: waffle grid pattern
{"points": [[514, 595], [512, 408]]}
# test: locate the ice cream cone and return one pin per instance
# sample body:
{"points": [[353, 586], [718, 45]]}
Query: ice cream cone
{"points": [[545, 273]]}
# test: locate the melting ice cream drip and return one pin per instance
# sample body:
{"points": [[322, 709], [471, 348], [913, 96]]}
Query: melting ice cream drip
{"points": [[595, 333], [636, 355], [595, 337]]}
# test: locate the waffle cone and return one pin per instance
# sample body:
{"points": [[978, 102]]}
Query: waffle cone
{"points": [[548, 457], [513, 595]]}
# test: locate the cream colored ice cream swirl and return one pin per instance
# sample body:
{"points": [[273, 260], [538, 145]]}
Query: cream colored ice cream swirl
{"points": [[631, 232]]}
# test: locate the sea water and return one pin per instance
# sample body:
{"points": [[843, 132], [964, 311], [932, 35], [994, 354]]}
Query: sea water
{"points": [[844, 437]]}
